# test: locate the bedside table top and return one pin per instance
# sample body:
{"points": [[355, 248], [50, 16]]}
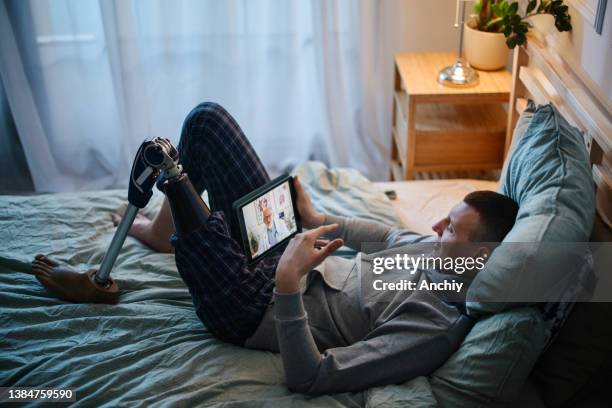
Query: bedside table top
{"points": [[419, 77]]}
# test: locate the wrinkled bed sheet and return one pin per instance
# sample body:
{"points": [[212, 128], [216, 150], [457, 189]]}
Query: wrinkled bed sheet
{"points": [[150, 349], [421, 203]]}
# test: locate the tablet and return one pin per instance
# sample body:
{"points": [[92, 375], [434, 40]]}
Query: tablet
{"points": [[268, 217]]}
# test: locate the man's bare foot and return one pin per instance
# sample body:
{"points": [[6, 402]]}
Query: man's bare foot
{"points": [[73, 286], [143, 229]]}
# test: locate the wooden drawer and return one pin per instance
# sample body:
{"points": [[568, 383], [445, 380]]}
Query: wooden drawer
{"points": [[459, 136], [471, 150]]}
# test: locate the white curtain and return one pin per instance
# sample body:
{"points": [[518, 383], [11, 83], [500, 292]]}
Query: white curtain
{"points": [[88, 80]]}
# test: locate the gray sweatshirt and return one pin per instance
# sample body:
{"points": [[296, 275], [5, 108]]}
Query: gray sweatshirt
{"points": [[337, 335]]}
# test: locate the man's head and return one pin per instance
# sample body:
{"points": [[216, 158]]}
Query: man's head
{"points": [[268, 216], [482, 216]]}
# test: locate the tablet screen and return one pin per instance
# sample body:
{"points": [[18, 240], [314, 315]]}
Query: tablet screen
{"points": [[269, 219]]}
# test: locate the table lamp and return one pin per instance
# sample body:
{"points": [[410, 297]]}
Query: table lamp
{"points": [[460, 74]]}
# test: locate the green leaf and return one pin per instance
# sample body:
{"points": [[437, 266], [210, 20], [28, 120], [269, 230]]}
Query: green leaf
{"points": [[477, 6], [531, 6], [496, 10], [503, 6], [511, 42], [507, 30], [515, 19], [563, 25], [513, 8]]}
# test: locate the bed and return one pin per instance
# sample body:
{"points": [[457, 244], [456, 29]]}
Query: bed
{"points": [[151, 349]]}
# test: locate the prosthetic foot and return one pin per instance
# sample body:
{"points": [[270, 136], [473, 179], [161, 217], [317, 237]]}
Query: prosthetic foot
{"points": [[72, 286], [155, 159]]}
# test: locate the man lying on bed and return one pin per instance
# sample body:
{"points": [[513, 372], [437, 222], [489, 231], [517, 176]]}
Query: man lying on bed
{"points": [[332, 337]]}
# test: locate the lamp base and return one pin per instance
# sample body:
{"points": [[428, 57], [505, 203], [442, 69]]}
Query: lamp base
{"points": [[458, 75]]}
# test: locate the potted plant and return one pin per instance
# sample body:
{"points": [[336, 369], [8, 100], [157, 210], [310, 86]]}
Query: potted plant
{"points": [[253, 242], [499, 25]]}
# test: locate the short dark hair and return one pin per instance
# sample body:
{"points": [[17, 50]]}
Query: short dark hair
{"points": [[497, 213]]}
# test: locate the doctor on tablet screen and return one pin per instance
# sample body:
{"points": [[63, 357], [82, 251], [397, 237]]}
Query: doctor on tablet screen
{"points": [[274, 230]]}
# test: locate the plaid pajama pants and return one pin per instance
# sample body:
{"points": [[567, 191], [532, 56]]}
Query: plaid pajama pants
{"points": [[229, 296]]}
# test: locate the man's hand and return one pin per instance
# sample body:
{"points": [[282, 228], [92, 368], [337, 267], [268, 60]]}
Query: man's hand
{"points": [[304, 252], [311, 218]]}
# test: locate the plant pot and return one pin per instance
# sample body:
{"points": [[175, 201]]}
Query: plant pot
{"points": [[484, 50]]}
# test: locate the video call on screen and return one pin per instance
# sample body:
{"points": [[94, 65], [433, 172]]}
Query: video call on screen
{"points": [[269, 219]]}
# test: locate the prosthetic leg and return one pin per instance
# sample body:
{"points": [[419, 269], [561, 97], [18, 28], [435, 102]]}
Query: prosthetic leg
{"points": [[156, 160]]}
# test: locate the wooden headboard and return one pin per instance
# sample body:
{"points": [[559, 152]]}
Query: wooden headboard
{"points": [[543, 76]]}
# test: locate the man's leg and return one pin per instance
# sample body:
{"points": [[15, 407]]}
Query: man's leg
{"points": [[218, 157], [229, 297], [155, 233]]}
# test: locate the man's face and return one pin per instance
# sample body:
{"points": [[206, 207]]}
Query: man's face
{"points": [[267, 217], [455, 235], [458, 225]]}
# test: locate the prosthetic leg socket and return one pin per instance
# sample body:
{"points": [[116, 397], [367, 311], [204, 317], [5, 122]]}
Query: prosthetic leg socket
{"points": [[189, 212]]}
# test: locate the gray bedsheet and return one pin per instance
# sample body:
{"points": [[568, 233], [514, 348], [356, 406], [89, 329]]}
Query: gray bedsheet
{"points": [[150, 349]]}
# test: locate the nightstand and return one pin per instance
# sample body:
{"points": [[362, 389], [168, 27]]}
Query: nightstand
{"points": [[439, 128]]}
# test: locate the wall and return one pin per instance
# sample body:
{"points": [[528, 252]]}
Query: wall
{"points": [[584, 48], [592, 50], [428, 26]]}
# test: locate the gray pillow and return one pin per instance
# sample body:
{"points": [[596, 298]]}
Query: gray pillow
{"points": [[548, 174], [517, 135], [493, 361]]}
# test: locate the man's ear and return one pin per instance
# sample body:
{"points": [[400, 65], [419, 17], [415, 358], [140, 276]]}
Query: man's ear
{"points": [[483, 252]]}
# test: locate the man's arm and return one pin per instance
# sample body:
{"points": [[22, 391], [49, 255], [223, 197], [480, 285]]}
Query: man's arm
{"points": [[395, 352], [282, 229], [263, 241], [353, 231]]}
